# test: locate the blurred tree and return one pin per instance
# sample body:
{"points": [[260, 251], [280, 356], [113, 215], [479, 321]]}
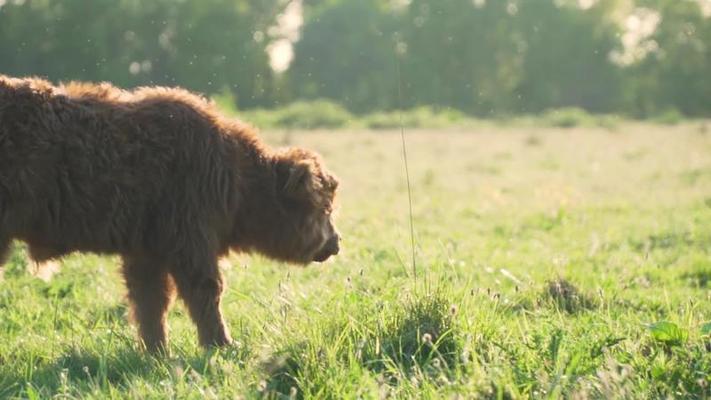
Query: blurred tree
{"points": [[347, 53], [484, 57], [566, 56], [676, 73], [463, 54], [208, 46]]}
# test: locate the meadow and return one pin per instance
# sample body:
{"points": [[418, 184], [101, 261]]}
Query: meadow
{"points": [[550, 263]]}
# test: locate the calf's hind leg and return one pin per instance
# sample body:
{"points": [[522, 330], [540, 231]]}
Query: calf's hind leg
{"points": [[200, 286], [5, 242], [4, 237], [4, 249], [150, 291]]}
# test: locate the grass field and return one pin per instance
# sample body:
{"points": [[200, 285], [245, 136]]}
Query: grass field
{"points": [[550, 263]]}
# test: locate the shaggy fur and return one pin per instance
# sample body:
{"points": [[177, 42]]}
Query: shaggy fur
{"points": [[157, 176]]}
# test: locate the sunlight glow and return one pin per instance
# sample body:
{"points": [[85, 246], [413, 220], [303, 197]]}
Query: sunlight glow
{"points": [[281, 51]]}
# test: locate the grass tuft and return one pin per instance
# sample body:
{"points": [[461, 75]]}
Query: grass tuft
{"points": [[568, 117], [17, 263], [670, 116], [420, 332], [568, 297]]}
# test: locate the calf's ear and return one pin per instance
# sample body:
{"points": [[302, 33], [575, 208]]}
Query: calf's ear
{"points": [[295, 179]]}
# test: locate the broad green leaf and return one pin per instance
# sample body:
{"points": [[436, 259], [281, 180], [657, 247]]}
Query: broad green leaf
{"points": [[706, 329], [668, 333]]}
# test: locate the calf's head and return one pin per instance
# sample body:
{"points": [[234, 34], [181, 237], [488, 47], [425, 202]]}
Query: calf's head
{"points": [[303, 229]]}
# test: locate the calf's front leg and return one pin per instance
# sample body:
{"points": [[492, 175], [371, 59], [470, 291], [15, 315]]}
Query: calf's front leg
{"points": [[200, 286]]}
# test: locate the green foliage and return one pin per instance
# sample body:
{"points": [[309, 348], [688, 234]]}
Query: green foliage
{"points": [[608, 121], [567, 117], [313, 115], [420, 117], [669, 117], [317, 114], [324, 114]]}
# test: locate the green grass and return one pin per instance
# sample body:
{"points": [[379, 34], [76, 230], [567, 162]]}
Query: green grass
{"points": [[551, 263]]}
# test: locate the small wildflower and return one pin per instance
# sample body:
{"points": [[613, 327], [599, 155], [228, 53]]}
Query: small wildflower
{"points": [[178, 371], [262, 386], [194, 376], [64, 378], [427, 338], [359, 349], [464, 357]]}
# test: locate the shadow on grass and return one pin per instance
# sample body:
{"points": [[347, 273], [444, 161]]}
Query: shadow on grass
{"points": [[700, 279], [283, 371], [90, 369], [78, 369], [559, 294], [671, 240]]}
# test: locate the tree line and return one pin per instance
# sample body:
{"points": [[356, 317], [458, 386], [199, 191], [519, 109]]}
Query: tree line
{"points": [[482, 57]]}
